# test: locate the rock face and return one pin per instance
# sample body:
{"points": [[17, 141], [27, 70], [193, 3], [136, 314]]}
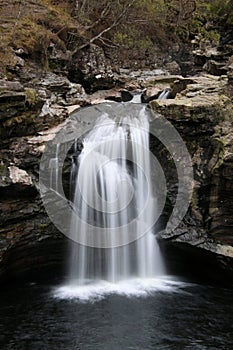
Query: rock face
{"points": [[91, 69], [199, 107], [28, 240], [37, 105], [43, 81], [203, 116], [29, 115]]}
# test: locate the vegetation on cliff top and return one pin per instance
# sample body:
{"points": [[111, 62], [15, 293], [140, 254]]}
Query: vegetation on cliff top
{"points": [[32, 26]]}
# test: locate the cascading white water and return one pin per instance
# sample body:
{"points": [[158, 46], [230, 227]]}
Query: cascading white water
{"points": [[54, 167], [164, 94], [110, 190]]}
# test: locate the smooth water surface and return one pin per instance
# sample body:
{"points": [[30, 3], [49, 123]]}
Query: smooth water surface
{"points": [[174, 315]]}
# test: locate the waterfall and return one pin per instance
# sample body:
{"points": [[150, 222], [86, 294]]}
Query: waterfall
{"points": [[111, 181], [164, 94], [137, 98], [54, 168]]}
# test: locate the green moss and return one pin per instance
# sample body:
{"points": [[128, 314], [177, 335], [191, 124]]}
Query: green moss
{"points": [[7, 59], [33, 30], [42, 226], [25, 118], [3, 170], [31, 97]]}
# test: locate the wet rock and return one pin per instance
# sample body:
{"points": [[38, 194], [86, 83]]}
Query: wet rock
{"points": [[197, 107], [91, 69], [12, 98], [4, 175], [173, 67], [179, 85], [61, 91], [76, 95], [204, 84], [212, 58], [56, 83], [27, 237], [215, 68], [199, 58], [15, 180], [202, 114], [58, 59], [105, 95], [19, 176], [229, 67], [194, 109], [52, 111], [41, 104], [6, 85], [155, 93], [126, 96], [18, 107]]}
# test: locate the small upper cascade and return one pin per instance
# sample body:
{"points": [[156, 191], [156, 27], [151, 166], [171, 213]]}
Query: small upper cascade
{"points": [[137, 98], [164, 94]]}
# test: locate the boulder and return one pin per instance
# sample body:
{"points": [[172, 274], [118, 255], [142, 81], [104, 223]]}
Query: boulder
{"points": [[91, 69], [173, 67], [215, 68]]}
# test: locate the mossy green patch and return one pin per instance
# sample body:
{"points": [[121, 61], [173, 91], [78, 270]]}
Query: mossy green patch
{"points": [[31, 97]]}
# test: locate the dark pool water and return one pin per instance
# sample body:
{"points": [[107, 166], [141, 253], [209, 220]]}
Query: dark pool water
{"points": [[187, 316]]}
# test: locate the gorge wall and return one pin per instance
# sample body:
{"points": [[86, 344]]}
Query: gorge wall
{"points": [[201, 111], [35, 102]]}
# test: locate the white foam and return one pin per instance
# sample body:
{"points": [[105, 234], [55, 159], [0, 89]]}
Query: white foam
{"points": [[130, 288]]}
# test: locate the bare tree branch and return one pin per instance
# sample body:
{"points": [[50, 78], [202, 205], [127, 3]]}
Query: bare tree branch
{"points": [[103, 14], [83, 5], [108, 43], [18, 17], [114, 24]]}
